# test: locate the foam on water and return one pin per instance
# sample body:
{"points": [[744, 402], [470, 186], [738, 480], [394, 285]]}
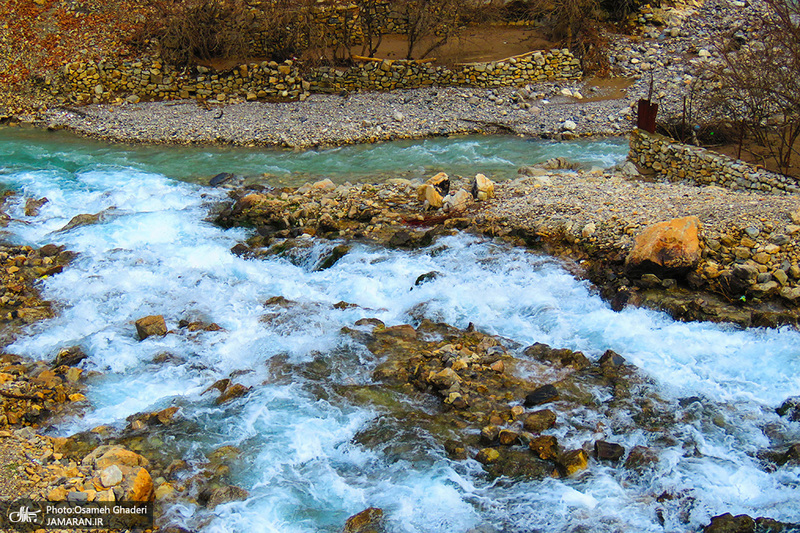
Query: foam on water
{"points": [[153, 253]]}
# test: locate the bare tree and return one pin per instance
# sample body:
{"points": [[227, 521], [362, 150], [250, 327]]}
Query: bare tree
{"points": [[568, 19], [371, 14], [192, 30], [757, 85], [430, 22]]}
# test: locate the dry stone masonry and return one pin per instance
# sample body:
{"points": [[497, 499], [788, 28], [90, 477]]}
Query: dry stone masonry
{"points": [[133, 81], [680, 162], [153, 80], [376, 75]]}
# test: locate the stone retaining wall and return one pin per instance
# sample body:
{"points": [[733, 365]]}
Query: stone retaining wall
{"points": [[400, 74], [681, 162], [153, 80]]}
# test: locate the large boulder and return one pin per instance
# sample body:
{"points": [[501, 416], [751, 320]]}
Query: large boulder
{"points": [[457, 201], [671, 247], [441, 182]]}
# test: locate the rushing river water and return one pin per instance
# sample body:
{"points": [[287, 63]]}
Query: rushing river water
{"points": [[496, 156], [156, 254]]}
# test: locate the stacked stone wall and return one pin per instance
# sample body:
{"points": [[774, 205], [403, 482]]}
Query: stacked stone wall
{"points": [[680, 162], [372, 75], [153, 80]]}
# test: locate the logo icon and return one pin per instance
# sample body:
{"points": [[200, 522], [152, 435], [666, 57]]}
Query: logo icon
{"points": [[24, 515]]}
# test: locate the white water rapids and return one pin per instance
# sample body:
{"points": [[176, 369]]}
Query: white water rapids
{"points": [[155, 254]]}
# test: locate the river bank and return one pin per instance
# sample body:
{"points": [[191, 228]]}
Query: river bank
{"points": [[332, 120], [663, 59], [591, 219], [331, 360]]}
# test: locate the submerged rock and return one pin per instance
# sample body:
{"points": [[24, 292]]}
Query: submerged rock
{"points": [[85, 219], [519, 464], [231, 392], [611, 359], [608, 451], [488, 456], [790, 408], [32, 206], [332, 257], [562, 357], [220, 179], [540, 420], [213, 496], [727, 523], [641, 459], [69, 356], [367, 521], [572, 462], [559, 163], [428, 276], [544, 447]]}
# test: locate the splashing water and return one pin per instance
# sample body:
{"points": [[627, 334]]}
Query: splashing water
{"points": [[155, 254]]}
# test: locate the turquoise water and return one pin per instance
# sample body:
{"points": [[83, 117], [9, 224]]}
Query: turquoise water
{"points": [[498, 157], [300, 463]]}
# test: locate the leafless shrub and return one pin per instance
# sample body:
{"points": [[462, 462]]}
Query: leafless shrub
{"points": [[371, 18], [566, 19], [432, 22], [757, 85], [620, 9], [192, 30]]}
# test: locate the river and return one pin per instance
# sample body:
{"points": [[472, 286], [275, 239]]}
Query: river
{"points": [[155, 253]]}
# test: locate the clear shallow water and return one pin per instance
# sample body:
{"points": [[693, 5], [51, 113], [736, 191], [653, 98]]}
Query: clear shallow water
{"points": [[304, 472], [496, 156]]}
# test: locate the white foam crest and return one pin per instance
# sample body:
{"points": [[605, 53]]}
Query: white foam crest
{"points": [[511, 293], [425, 503], [154, 256]]}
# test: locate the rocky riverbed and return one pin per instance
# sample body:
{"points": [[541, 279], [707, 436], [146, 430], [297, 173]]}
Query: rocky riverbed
{"points": [[595, 220], [518, 413], [329, 120], [477, 396]]}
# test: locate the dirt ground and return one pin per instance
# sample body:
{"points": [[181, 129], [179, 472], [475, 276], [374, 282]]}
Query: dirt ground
{"points": [[758, 155], [488, 42], [477, 43]]}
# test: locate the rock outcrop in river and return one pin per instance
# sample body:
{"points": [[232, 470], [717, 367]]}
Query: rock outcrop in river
{"points": [[700, 253]]}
